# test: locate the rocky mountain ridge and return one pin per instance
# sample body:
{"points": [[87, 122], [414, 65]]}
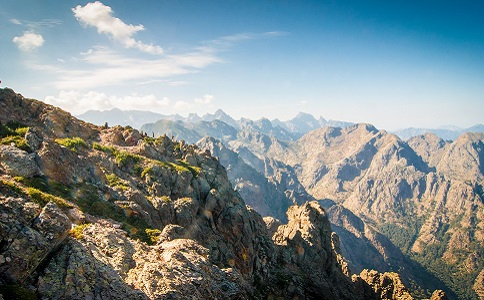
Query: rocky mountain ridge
{"points": [[108, 212], [425, 194], [301, 124]]}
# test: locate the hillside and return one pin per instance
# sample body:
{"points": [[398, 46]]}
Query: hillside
{"points": [[109, 213]]}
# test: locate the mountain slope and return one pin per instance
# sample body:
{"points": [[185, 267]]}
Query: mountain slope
{"points": [[265, 197], [429, 201]]}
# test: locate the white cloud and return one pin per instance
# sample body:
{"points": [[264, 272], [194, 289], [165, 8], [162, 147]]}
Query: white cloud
{"points": [[16, 21], [101, 17], [105, 67], [76, 102], [29, 41], [228, 41]]}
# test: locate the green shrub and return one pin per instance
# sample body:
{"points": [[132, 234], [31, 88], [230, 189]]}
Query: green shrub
{"points": [[21, 131], [42, 198], [194, 169], [76, 232], [8, 187], [115, 181], [105, 149], [18, 141], [153, 235], [123, 158], [14, 133], [72, 143]]}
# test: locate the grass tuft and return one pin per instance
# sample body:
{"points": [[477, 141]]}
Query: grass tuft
{"points": [[75, 144]]}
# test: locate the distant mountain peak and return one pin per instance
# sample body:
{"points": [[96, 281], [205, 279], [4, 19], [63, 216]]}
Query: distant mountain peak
{"points": [[304, 115]]}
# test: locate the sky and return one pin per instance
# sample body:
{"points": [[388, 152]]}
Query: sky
{"points": [[393, 64]]}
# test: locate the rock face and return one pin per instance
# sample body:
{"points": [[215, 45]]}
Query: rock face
{"points": [[412, 192], [426, 195], [479, 284], [17, 162], [266, 196], [116, 214]]}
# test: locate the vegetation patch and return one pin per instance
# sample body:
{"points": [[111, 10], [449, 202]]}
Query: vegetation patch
{"points": [[9, 187], [179, 166], [42, 198], [153, 235], [105, 149], [76, 232], [115, 181], [75, 144], [123, 158], [14, 133]]}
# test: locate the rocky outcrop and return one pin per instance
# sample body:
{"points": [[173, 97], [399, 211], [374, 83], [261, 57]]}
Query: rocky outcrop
{"points": [[29, 234], [479, 285], [17, 162], [268, 198], [306, 246], [385, 286]]}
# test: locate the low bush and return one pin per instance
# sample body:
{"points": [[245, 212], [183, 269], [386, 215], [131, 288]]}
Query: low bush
{"points": [[75, 144]]}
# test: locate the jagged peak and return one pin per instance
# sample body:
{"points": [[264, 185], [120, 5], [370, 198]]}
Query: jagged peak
{"points": [[304, 115]]}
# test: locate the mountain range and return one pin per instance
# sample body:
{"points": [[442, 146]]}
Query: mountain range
{"points": [[301, 124], [418, 202]]}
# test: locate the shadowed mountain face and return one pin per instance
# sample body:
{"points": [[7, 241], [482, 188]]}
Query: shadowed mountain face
{"points": [[90, 212]]}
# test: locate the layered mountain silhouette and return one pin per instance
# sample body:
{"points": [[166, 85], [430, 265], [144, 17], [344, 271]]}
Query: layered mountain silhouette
{"points": [[301, 124], [420, 200]]}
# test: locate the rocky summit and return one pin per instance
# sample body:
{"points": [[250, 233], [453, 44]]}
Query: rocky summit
{"points": [[90, 212]]}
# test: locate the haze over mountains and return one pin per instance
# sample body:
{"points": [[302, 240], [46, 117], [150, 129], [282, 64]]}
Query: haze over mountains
{"points": [[300, 124]]}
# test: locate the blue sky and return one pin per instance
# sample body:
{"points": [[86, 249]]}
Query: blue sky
{"points": [[394, 64]]}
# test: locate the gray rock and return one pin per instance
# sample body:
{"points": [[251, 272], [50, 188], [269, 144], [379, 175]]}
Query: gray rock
{"points": [[17, 162]]}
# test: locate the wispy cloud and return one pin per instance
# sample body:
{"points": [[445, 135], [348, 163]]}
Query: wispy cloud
{"points": [[102, 66], [15, 21], [205, 100], [105, 67], [29, 41], [34, 25], [230, 40], [101, 17]]}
